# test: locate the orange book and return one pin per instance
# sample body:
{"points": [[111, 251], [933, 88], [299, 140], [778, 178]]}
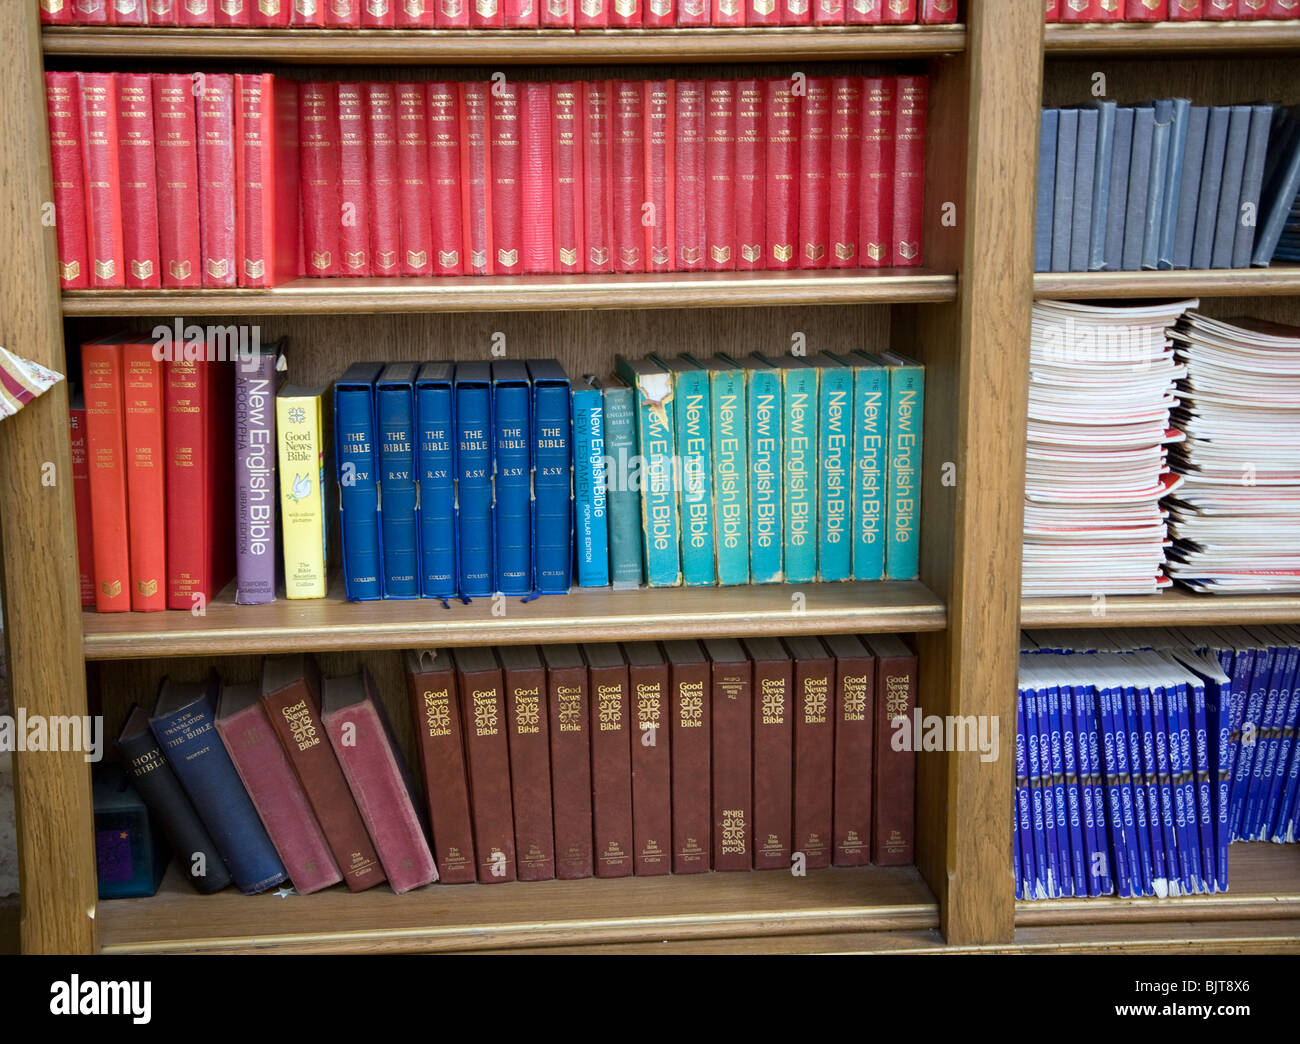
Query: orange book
{"points": [[142, 399], [101, 371]]}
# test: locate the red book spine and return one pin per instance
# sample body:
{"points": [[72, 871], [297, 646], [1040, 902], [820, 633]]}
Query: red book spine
{"points": [[733, 800], [63, 104], [378, 14], [829, 12], [196, 13], [520, 14], [798, 12], [506, 185], [90, 12], [863, 12], [695, 12], [876, 173], [628, 176], [177, 157], [1150, 10], [142, 407], [773, 763], [660, 139], [569, 700], [486, 14], [444, 178], [344, 14], [255, 179], [416, 14], [909, 169], [354, 183], [1279, 9], [782, 163], [436, 708], [139, 180], [1107, 11], [611, 771], [413, 196], [1251, 10], [732, 12], [1078, 11], [381, 161], [55, 12], [529, 726], [689, 185], [854, 723], [475, 178], [539, 179], [308, 14], [132, 12], [557, 14], [1219, 10], [751, 181], [452, 14], [651, 768], [893, 771], [486, 751], [845, 183], [101, 370], [590, 14], [761, 12], [899, 12], [625, 14], [659, 14], [163, 12], [1190, 10], [99, 157], [692, 723], [566, 159], [1053, 10], [720, 175], [283, 161], [814, 173], [216, 137], [232, 13], [318, 139], [269, 14], [81, 498], [598, 213], [814, 751], [938, 12]]}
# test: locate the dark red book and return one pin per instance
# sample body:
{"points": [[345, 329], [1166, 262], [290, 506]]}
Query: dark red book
{"points": [[383, 185], [855, 671], [55, 12], [732, 686], [899, 12], [431, 681], [864, 12], [1079, 11], [845, 184], [416, 14], [1248, 10], [269, 14], [692, 718], [557, 14], [689, 185], [216, 137], [378, 14], [81, 495], [590, 14], [762, 12], [413, 195], [659, 140], [659, 14], [267, 775], [63, 105], [814, 173], [134, 12], [139, 181], [506, 162], [520, 14], [938, 12], [1191, 10], [909, 169], [266, 179], [814, 748], [146, 514], [1107, 11], [228, 14], [720, 175], [773, 753], [876, 173], [828, 12], [196, 14], [611, 760], [652, 816], [354, 183], [566, 165], [318, 139], [101, 375], [91, 12], [528, 725], [444, 177], [782, 165], [475, 177], [1280, 9], [199, 427], [486, 14], [1158, 10], [1054, 10], [1219, 10], [598, 211], [345, 14], [452, 14], [538, 179], [569, 700], [893, 829], [483, 714], [99, 159], [728, 13], [625, 14], [797, 12], [628, 176], [308, 14], [694, 12]]}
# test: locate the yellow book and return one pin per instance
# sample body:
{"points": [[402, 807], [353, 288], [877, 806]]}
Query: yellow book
{"points": [[300, 431]]}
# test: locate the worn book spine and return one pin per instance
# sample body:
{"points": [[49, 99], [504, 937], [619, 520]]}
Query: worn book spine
{"points": [[692, 723], [598, 227], [659, 14], [568, 699], [1207, 206], [196, 14], [307, 14], [854, 728], [443, 132], [344, 14], [380, 102], [732, 767], [529, 725], [814, 173], [1135, 218], [268, 14], [694, 450], [651, 769], [876, 172], [659, 139], [486, 14], [611, 770], [538, 180], [452, 14], [139, 181], [834, 474], [301, 436], [765, 476], [142, 402], [1117, 204], [81, 495], [1252, 180], [656, 441], [693, 12], [689, 183], [627, 175], [720, 174], [1161, 141], [911, 100], [781, 109], [894, 771], [624, 496], [625, 14], [1084, 188], [566, 160], [1067, 139], [318, 137], [215, 126], [730, 481], [773, 762], [1234, 168], [354, 183], [799, 473], [814, 760], [63, 104], [505, 119], [1189, 193], [483, 712], [1173, 182], [413, 195], [378, 14], [101, 368], [1046, 197], [476, 174], [99, 156]]}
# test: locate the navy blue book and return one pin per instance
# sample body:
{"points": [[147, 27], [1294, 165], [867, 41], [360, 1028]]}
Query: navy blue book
{"points": [[1252, 181], [436, 466], [1280, 187], [473, 414], [552, 477], [1207, 206], [1106, 113], [1139, 173], [356, 455], [1067, 140], [1046, 191], [1155, 186], [1234, 168], [1117, 206], [395, 405], [1189, 191], [184, 723], [1173, 182], [512, 464], [1085, 162]]}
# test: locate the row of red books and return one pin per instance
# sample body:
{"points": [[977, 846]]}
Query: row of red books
{"points": [[220, 181], [494, 14], [1170, 10]]}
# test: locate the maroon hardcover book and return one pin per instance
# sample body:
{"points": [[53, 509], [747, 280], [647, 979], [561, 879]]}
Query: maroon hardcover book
{"points": [[530, 761], [568, 697], [483, 712], [814, 748], [436, 708], [688, 681], [773, 753], [854, 685], [893, 824], [291, 696], [733, 797], [651, 758], [611, 760]]}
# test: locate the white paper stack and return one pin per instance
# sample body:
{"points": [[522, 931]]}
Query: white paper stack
{"points": [[1235, 519], [1101, 388]]}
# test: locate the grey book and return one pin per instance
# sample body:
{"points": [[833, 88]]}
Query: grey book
{"points": [[1173, 182], [1163, 128], [1117, 205], [1085, 159], [1234, 166], [1046, 191], [1106, 112], [1139, 173], [1252, 180], [1189, 190], [1067, 139], [1280, 189], [1207, 206]]}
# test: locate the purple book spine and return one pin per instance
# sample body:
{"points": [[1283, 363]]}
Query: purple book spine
{"points": [[255, 486]]}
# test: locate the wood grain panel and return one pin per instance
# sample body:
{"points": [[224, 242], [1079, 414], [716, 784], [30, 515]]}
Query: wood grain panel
{"points": [[1176, 607], [1155, 38]]}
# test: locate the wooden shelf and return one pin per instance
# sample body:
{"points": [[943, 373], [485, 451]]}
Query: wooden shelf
{"points": [[1219, 282], [463, 47], [722, 906], [1176, 607], [1173, 38], [592, 614], [529, 293]]}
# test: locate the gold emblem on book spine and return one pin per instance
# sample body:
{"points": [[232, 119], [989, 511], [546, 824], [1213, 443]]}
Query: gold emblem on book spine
{"points": [[660, 7], [386, 259], [270, 8], [508, 258], [417, 258], [341, 8], [354, 258], [691, 255], [232, 7], [898, 6], [591, 8], [909, 250], [486, 8], [105, 269], [625, 8], [694, 9], [864, 7], [217, 268], [630, 256], [599, 255], [196, 7], [558, 7], [414, 8], [51, 6], [1109, 6], [751, 252], [112, 588], [306, 8], [798, 6], [320, 259], [568, 256], [943, 6], [148, 588], [70, 270], [764, 7], [844, 251], [254, 269], [728, 7], [378, 8], [783, 252], [720, 254], [448, 258], [875, 251], [478, 258], [1078, 5], [814, 251], [142, 269], [452, 8], [179, 269]]}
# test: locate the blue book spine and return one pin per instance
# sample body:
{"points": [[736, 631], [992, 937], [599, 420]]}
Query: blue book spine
{"points": [[1139, 174], [1060, 800], [398, 485], [1023, 815], [1165, 783], [1142, 828], [1151, 782], [730, 425], [1261, 774], [1189, 192], [552, 486], [590, 522], [1285, 743], [437, 467], [1189, 850], [1285, 828], [1156, 182], [1046, 190], [694, 444], [1234, 168], [1280, 192], [835, 504], [1204, 795], [1252, 183], [474, 486], [1241, 671], [1207, 205], [1056, 859], [1118, 861], [870, 452], [512, 464], [1117, 207], [765, 545], [358, 471], [906, 423], [1039, 828], [1218, 729], [1085, 170], [1173, 182], [1106, 111], [1067, 141], [1248, 744], [623, 476], [1073, 800], [799, 474], [1085, 708]]}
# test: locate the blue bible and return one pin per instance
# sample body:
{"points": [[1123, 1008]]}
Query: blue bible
{"points": [[512, 467], [395, 407], [590, 514], [436, 466], [473, 413], [552, 477], [356, 455]]}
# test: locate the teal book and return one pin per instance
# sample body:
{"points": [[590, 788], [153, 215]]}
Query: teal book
{"points": [[763, 407], [657, 447], [834, 469], [730, 428], [799, 380], [906, 420], [623, 485], [870, 446], [695, 496]]}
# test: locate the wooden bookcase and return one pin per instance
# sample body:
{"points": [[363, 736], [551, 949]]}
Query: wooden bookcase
{"points": [[966, 316]]}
